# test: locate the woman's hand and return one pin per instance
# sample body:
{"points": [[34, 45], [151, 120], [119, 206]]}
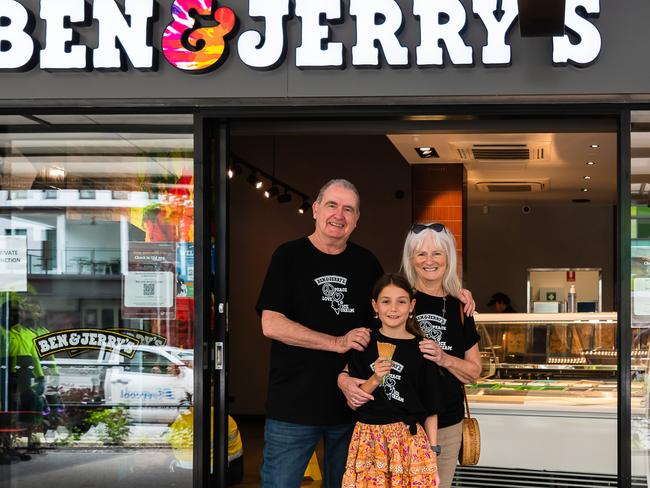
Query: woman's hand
{"points": [[382, 367], [433, 352], [350, 387], [469, 305]]}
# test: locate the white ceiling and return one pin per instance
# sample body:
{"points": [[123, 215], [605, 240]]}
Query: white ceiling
{"points": [[562, 170]]}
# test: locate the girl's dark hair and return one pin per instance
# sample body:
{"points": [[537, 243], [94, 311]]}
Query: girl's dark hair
{"points": [[399, 281]]}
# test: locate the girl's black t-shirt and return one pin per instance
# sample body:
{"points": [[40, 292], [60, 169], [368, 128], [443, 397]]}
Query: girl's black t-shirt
{"points": [[327, 293], [411, 390], [440, 320]]}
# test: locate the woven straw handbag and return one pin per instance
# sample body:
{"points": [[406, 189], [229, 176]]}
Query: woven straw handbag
{"points": [[470, 447]]}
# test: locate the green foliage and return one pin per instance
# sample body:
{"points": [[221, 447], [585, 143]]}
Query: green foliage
{"points": [[112, 425]]}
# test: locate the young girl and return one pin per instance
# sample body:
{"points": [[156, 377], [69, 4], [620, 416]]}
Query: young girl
{"points": [[394, 442]]}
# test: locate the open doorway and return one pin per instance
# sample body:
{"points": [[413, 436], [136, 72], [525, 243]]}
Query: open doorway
{"points": [[524, 194]]}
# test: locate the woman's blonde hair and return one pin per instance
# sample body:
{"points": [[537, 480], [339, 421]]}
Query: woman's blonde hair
{"points": [[444, 239]]}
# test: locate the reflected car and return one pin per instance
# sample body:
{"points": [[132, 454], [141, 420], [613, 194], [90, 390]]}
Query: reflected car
{"points": [[154, 384]]}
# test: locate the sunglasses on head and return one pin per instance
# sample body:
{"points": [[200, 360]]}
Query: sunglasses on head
{"points": [[417, 228]]}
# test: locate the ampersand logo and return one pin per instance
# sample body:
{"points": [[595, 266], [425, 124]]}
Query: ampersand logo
{"points": [[191, 47]]}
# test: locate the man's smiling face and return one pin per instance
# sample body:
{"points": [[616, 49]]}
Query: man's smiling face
{"points": [[337, 214]]}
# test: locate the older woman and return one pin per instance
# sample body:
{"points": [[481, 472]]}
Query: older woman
{"points": [[429, 263]]}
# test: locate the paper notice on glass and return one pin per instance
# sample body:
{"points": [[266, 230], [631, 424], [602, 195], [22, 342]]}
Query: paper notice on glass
{"points": [[13, 263], [149, 286], [641, 296], [149, 289]]}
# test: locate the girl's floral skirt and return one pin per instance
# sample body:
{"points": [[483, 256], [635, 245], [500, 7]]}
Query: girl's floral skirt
{"points": [[388, 456]]}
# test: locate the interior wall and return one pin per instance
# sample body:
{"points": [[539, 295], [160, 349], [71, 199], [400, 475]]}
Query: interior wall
{"points": [[258, 226], [504, 242]]}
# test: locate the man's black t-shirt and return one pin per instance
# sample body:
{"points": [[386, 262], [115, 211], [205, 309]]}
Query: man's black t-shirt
{"points": [[447, 329], [410, 392], [328, 293]]}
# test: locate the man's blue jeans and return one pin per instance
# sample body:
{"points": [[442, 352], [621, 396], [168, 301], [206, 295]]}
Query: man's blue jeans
{"points": [[288, 448]]}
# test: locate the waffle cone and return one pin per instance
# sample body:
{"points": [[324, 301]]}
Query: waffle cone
{"points": [[386, 349]]}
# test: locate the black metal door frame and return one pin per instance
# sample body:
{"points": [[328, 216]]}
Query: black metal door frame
{"points": [[210, 450]]}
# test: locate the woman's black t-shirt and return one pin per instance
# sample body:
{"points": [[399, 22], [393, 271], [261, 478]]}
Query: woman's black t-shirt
{"points": [[328, 293], [411, 390], [440, 320]]}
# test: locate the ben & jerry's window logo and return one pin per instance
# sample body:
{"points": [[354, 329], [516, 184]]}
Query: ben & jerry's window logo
{"points": [[145, 338], [81, 339]]}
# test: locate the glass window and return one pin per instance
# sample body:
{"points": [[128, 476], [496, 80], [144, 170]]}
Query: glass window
{"points": [[96, 320]]}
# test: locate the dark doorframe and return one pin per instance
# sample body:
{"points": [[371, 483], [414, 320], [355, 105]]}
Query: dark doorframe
{"points": [[623, 302], [210, 451]]}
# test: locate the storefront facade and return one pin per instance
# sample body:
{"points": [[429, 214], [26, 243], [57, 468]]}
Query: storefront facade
{"points": [[117, 123]]}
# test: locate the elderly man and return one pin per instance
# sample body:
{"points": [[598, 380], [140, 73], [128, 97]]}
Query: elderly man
{"points": [[315, 306]]}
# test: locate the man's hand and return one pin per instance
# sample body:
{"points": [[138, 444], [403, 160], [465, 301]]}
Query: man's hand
{"points": [[357, 339], [466, 297], [353, 394]]}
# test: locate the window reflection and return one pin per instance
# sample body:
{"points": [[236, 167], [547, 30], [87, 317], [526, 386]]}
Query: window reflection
{"points": [[96, 302]]}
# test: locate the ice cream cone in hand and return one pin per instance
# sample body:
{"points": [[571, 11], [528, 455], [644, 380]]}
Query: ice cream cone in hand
{"points": [[386, 349]]}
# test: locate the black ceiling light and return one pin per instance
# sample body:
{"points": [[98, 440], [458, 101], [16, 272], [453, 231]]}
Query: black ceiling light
{"points": [[274, 191], [541, 18], [304, 207], [254, 181], [235, 170], [284, 197]]}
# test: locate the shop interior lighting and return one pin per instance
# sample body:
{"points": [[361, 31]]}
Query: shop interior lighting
{"points": [[254, 181], [278, 188], [426, 152], [234, 171], [590, 163], [304, 207], [587, 177], [585, 189], [284, 197], [595, 146], [272, 192]]}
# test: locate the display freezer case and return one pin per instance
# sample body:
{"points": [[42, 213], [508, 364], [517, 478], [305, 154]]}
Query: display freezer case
{"points": [[547, 397]]}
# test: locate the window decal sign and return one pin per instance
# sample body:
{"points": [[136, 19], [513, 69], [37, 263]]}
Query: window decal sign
{"points": [[13, 263], [145, 338], [83, 339], [198, 33]]}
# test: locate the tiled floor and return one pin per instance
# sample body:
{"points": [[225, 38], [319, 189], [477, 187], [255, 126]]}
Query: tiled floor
{"points": [[252, 432]]}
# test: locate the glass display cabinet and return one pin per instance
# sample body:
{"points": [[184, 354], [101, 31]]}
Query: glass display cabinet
{"points": [[547, 397]]}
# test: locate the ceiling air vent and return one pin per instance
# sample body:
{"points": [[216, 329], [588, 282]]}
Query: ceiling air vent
{"points": [[502, 152], [510, 186]]}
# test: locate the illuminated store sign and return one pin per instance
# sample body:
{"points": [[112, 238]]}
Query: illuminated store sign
{"points": [[198, 33]]}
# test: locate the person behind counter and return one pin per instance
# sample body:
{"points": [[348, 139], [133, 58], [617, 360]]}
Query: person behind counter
{"points": [[394, 443], [501, 303], [429, 263]]}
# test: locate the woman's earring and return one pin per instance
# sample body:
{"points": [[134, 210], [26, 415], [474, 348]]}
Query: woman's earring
{"points": [[376, 315], [411, 315]]}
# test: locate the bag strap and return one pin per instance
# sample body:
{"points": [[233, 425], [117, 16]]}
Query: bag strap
{"points": [[462, 321]]}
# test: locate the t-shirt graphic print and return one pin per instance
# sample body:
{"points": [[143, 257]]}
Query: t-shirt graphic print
{"points": [[333, 288], [432, 327]]}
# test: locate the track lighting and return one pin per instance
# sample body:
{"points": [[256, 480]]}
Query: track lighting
{"points": [[254, 181], [234, 170], [277, 188], [304, 207], [284, 197], [272, 192]]}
